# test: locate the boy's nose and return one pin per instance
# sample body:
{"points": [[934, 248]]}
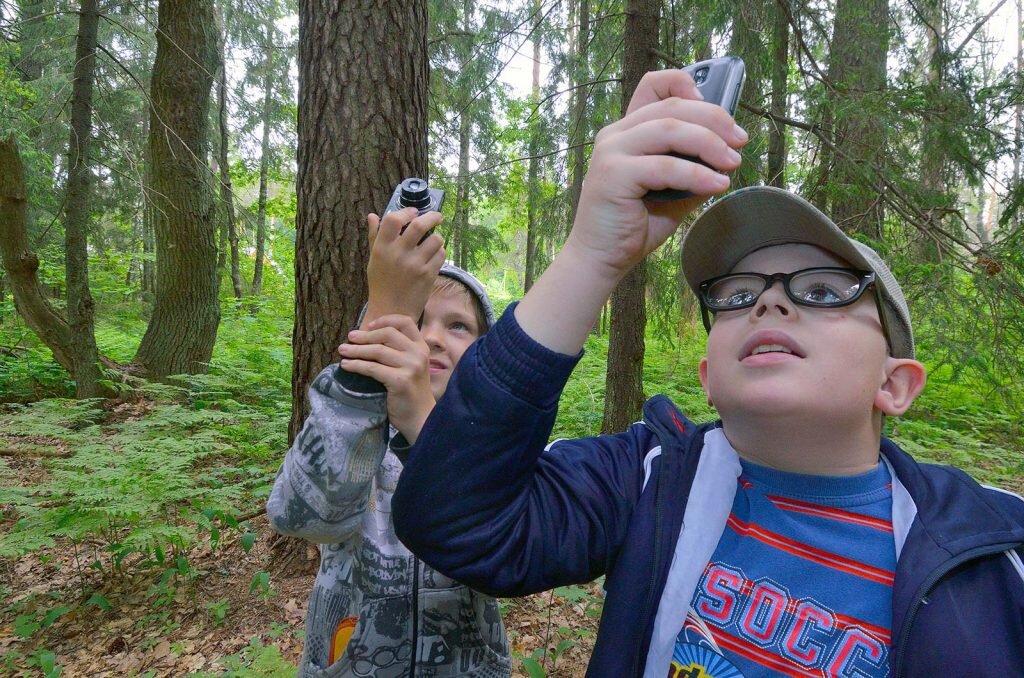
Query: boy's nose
{"points": [[773, 297], [432, 336]]}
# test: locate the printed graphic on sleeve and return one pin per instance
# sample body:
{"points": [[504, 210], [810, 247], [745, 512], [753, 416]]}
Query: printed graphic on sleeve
{"points": [[342, 634]]}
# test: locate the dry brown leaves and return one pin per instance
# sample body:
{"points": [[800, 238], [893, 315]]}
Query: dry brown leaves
{"points": [[183, 636]]}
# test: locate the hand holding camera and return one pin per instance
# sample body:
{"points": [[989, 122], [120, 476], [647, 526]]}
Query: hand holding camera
{"points": [[720, 81], [615, 225], [405, 253]]}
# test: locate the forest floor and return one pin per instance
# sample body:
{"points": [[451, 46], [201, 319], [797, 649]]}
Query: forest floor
{"points": [[211, 623]]}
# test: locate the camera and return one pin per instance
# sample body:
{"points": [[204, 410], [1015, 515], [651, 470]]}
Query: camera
{"points": [[721, 82], [415, 192]]}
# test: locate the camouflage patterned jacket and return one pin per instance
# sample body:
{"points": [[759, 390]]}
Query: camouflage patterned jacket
{"points": [[376, 609]]}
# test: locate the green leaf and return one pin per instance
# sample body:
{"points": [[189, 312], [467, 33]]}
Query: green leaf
{"points": [[55, 614], [248, 539], [25, 625], [260, 583], [47, 662], [534, 668], [99, 601]]}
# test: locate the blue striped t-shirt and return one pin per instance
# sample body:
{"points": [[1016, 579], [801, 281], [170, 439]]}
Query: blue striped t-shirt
{"points": [[800, 583]]}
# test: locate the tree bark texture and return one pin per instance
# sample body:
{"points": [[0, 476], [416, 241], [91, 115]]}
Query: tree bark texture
{"points": [[80, 310], [776, 170], [362, 127], [186, 311], [624, 395], [860, 45], [22, 265]]}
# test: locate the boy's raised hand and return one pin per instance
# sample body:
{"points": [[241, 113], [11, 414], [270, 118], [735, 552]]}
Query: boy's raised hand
{"points": [[614, 225], [391, 350], [402, 270]]}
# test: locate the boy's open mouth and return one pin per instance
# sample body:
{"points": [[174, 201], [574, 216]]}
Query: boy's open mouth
{"points": [[770, 341]]}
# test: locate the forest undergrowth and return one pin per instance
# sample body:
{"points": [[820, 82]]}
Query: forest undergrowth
{"points": [[132, 534]]}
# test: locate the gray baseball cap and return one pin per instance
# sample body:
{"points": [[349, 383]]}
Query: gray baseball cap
{"points": [[751, 218]]}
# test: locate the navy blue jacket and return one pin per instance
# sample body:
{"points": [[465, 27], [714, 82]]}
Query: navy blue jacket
{"points": [[485, 502]]}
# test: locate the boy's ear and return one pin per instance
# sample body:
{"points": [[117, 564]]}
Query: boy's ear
{"points": [[703, 372], [905, 378]]}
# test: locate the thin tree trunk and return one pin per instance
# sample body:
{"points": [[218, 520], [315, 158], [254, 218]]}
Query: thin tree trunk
{"points": [[350, 156], [860, 46], [580, 127], [80, 311], [780, 75], [227, 191], [186, 312], [22, 265], [933, 150], [462, 205], [148, 281], [1018, 117], [533, 171], [462, 193], [268, 102], [624, 396], [747, 43]]}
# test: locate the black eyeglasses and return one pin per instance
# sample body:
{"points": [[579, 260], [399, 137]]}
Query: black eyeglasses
{"points": [[816, 287]]}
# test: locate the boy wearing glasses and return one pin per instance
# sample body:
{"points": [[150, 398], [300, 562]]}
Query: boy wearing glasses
{"points": [[788, 538]]}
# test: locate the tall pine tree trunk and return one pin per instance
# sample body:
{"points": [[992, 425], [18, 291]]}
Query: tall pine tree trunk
{"points": [[933, 150], [579, 123], [227, 192], [1018, 114], [460, 242], [533, 170], [776, 174], [747, 43], [80, 312], [363, 84], [462, 205], [860, 46], [268, 102], [183, 329], [624, 395]]}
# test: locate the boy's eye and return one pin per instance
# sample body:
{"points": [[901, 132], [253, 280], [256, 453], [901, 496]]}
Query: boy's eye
{"points": [[822, 294], [458, 326], [740, 296], [733, 295]]}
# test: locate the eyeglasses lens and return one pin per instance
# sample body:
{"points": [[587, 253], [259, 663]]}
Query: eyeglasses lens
{"points": [[812, 287]]}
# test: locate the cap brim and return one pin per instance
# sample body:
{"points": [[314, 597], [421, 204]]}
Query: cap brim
{"points": [[752, 218]]}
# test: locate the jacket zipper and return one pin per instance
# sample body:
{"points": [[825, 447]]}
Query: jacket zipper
{"points": [[415, 615], [658, 503], [929, 583]]}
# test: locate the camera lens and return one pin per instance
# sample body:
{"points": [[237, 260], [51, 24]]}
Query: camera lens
{"points": [[415, 193], [701, 75]]}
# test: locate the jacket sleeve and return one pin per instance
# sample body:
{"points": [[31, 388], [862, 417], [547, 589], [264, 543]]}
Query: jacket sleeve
{"points": [[323, 485], [482, 500]]}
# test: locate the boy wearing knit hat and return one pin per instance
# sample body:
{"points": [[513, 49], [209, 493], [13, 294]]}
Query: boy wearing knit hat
{"points": [[375, 609], [790, 537]]}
